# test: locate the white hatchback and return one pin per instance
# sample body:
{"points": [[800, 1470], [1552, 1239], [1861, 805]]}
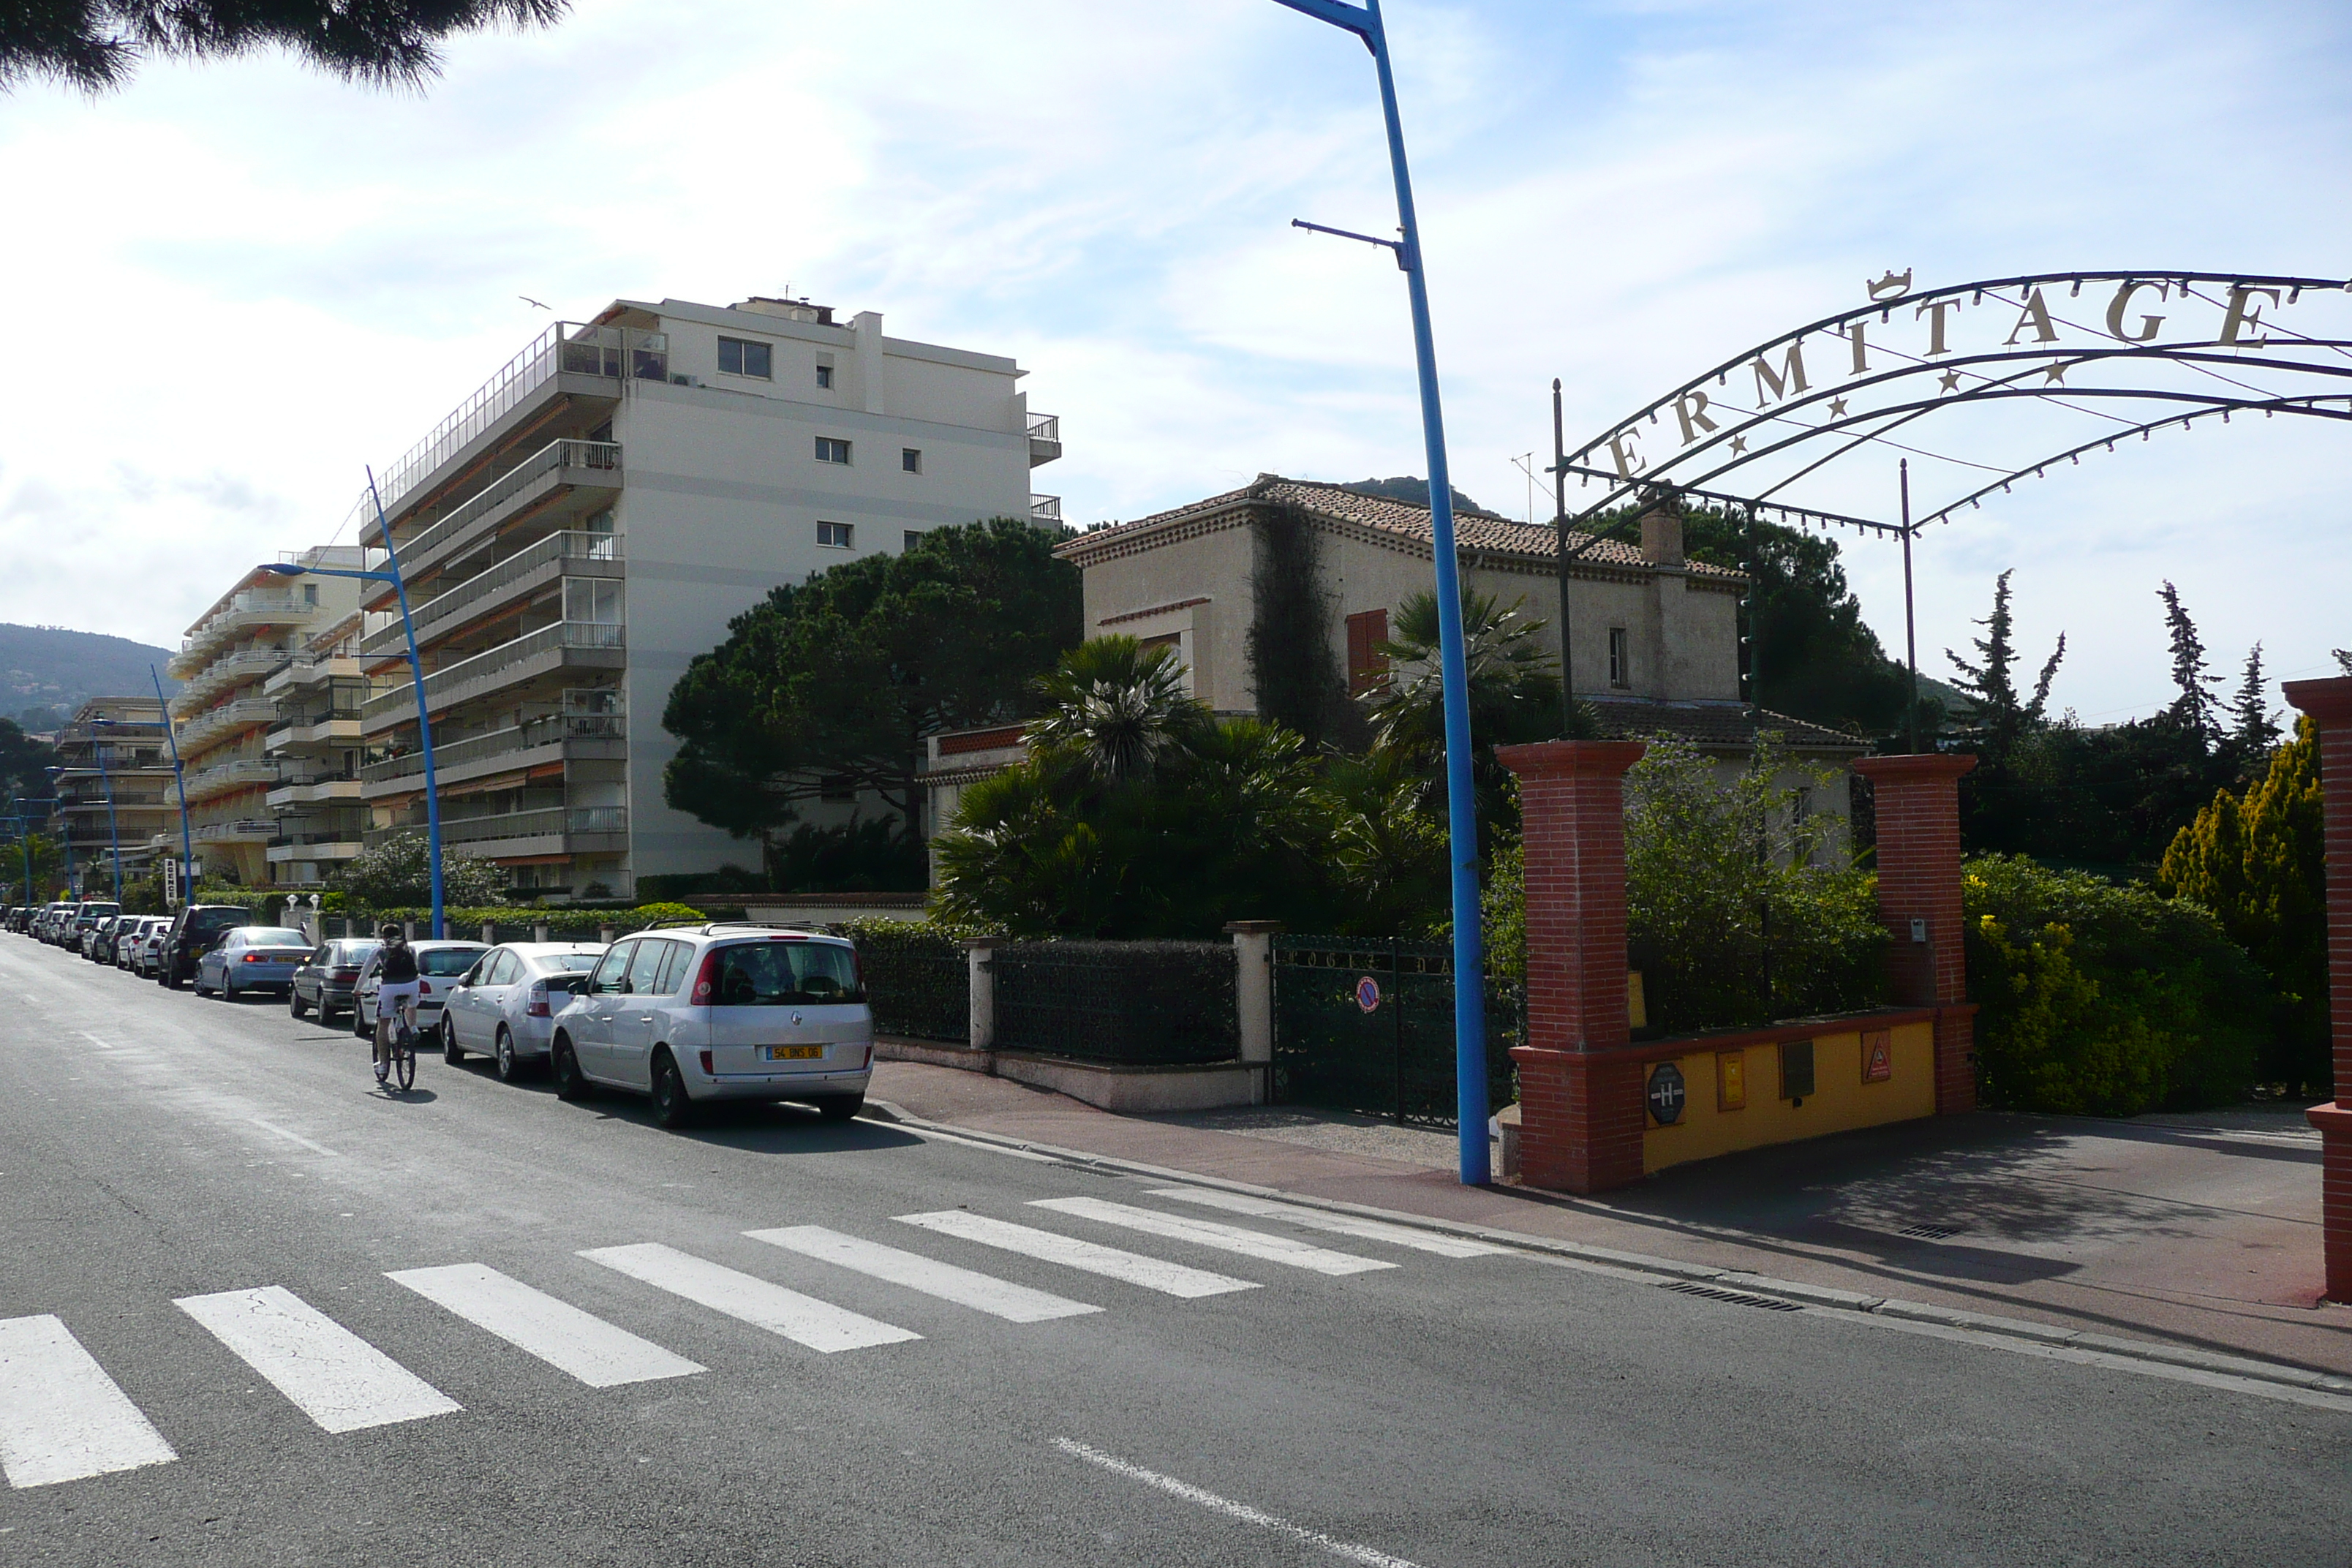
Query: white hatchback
{"points": [[717, 1012], [505, 1007]]}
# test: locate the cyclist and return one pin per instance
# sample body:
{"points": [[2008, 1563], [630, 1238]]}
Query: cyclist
{"points": [[396, 994]]}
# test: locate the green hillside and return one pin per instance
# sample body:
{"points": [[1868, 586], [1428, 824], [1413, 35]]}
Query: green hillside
{"points": [[47, 672]]}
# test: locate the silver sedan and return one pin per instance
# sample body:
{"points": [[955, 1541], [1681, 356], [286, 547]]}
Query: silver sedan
{"points": [[505, 1007]]}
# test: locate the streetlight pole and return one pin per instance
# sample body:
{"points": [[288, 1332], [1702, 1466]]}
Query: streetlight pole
{"points": [[1461, 803], [416, 674], [65, 828], [180, 790], [25, 821], [113, 835]]}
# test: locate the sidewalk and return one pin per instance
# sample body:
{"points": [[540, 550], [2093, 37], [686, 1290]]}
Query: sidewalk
{"points": [[2197, 1231]]}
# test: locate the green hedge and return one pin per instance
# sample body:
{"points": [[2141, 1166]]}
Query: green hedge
{"points": [[560, 920]]}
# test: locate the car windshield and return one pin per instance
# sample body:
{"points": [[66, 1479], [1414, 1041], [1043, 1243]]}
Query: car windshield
{"points": [[217, 920], [447, 960], [774, 974], [567, 962], [272, 936], [357, 952]]}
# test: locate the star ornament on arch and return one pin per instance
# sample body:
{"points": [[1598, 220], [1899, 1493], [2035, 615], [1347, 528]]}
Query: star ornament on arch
{"points": [[2055, 372], [1949, 380], [1837, 407], [1739, 444]]}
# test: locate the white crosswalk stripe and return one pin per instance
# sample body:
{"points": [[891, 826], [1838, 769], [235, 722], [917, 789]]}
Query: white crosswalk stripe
{"points": [[964, 1286], [1210, 1233], [61, 1417], [557, 1333], [803, 1320], [1052, 1247], [1336, 1224], [332, 1375]]}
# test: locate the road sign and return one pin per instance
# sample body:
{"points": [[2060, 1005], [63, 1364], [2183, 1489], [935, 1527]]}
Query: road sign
{"points": [[1877, 1055], [1668, 1093], [1368, 993], [172, 885]]}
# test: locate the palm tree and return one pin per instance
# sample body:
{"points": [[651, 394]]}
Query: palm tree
{"points": [[1116, 708], [1514, 686]]}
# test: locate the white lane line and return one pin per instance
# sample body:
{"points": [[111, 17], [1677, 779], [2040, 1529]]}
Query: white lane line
{"points": [[1373, 1556], [1209, 1233], [1336, 1224], [964, 1286], [1052, 1247], [292, 1137], [332, 1375], [803, 1320], [61, 1417], [93, 1039], [557, 1333]]}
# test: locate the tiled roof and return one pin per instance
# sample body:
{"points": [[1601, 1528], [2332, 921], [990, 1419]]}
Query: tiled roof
{"points": [[1711, 723], [1479, 531]]}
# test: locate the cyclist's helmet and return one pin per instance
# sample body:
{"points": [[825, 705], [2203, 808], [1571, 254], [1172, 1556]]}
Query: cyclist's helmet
{"points": [[392, 932]]}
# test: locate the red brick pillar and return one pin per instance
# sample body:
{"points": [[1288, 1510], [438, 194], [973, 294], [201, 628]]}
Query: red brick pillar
{"points": [[1919, 810], [1580, 1112], [2330, 703]]}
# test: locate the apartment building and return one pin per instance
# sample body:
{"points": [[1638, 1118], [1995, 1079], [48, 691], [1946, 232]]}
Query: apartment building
{"points": [[117, 747], [590, 519], [225, 711], [322, 820]]}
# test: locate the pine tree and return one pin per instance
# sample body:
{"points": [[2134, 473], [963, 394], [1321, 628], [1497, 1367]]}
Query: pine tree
{"points": [[2252, 730], [2196, 707], [2001, 718]]}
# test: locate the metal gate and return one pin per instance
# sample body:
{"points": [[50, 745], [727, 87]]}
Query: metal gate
{"points": [[1366, 1025]]}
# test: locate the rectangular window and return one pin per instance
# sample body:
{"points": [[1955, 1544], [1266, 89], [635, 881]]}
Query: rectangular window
{"points": [[911, 459], [596, 600], [1620, 656], [823, 376], [1366, 666], [832, 449], [837, 787], [834, 535], [914, 537], [738, 356]]}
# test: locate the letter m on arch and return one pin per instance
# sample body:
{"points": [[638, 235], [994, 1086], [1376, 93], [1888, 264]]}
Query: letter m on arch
{"points": [[1772, 386]]}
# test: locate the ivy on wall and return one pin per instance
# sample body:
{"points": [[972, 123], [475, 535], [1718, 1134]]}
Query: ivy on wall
{"points": [[1293, 664]]}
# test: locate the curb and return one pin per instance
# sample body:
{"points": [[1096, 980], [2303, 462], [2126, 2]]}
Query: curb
{"points": [[1664, 1269]]}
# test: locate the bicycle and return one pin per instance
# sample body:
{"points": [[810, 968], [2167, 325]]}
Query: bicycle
{"points": [[400, 1048]]}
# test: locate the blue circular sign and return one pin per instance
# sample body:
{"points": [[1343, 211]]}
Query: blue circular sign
{"points": [[1368, 993]]}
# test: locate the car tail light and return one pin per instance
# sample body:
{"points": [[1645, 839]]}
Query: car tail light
{"points": [[869, 1056], [707, 1070], [425, 988], [536, 1006], [706, 980], [257, 958]]}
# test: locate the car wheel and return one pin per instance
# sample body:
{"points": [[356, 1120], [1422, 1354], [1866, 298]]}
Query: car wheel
{"points": [[294, 1001], [672, 1107], [571, 1083], [509, 1064], [227, 987], [451, 1052], [839, 1107]]}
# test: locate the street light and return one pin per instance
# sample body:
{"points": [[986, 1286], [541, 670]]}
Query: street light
{"points": [[180, 789], [417, 673], [65, 828], [1461, 804], [24, 820]]}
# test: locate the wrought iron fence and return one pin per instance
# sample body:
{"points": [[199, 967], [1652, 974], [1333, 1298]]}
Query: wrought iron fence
{"points": [[1137, 1004], [917, 982], [1366, 1025]]}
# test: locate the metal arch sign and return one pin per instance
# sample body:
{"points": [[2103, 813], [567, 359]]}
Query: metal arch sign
{"points": [[2137, 351]]}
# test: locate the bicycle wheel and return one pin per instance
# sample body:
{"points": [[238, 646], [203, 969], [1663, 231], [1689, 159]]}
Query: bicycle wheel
{"points": [[404, 1060]]}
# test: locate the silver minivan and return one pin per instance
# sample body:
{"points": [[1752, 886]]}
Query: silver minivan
{"points": [[717, 1012]]}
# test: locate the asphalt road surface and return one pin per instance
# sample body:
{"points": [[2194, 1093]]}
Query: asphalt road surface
{"points": [[254, 1311]]}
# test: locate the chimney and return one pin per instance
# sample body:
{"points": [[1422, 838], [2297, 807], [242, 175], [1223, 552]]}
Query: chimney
{"points": [[1661, 537]]}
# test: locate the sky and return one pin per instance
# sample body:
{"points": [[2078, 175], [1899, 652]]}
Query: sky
{"points": [[236, 283]]}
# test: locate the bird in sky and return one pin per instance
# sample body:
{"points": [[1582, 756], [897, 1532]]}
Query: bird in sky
{"points": [[528, 300]]}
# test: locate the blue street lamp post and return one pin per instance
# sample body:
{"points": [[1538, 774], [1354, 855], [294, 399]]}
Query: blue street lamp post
{"points": [[417, 673], [180, 790], [1461, 804], [65, 829], [24, 820]]}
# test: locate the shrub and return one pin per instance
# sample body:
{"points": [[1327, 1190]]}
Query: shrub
{"points": [[2102, 999], [399, 871]]}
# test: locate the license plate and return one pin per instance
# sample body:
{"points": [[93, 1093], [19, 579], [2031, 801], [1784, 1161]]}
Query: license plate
{"points": [[791, 1053]]}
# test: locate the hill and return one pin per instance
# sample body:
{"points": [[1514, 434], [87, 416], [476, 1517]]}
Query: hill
{"points": [[46, 669]]}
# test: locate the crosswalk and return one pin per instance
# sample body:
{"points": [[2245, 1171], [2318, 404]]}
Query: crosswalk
{"points": [[63, 1417]]}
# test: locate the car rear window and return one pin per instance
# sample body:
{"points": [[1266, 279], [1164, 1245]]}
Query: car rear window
{"points": [[779, 973], [355, 952], [217, 920], [449, 960], [567, 962], [274, 936]]}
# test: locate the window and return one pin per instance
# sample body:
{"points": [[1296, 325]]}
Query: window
{"points": [[738, 357], [644, 970], [616, 963], [823, 375], [835, 534], [780, 973], [1368, 667], [914, 537], [832, 449], [447, 962], [910, 458], [1620, 656], [592, 599], [836, 787], [673, 973]]}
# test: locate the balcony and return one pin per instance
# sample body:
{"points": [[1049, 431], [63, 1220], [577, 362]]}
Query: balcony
{"points": [[513, 579], [566, 737], [245, 830], [564, 481], [226, 674], [341, 728], [1045, 438], [588, 645], [552, 830], [298, 793], [207, 728], [313, 847], [1045, 509], [308, 669], [248, 610], [239, 773]]}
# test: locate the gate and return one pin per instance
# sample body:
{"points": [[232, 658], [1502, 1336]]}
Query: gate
{"points": [[1366, 1024]]}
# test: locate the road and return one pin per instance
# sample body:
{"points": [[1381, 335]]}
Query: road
{"points": [[478, 1325]]}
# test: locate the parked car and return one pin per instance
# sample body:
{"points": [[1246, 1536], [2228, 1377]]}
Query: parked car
{"points": [[147, 947], [505, 1006], [327, 980], [128, 932], [98, 942], [193, 929], [85, 916], [720, 1012], [45, 924], [439, 966], [252, 958]]}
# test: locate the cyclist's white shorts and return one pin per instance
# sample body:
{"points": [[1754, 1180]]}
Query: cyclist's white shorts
{"points": [[391, 996]]}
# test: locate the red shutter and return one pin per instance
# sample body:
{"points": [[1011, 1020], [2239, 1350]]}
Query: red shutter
{"points": [[1366, 666]]}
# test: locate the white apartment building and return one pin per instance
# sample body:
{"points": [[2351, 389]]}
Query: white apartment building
{"points": [[321, 821], [225, 711], [589, 520]]}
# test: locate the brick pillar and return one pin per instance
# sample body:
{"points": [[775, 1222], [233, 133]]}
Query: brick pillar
{"points": [[2330, 703], [1918, 806], [1580, 1113]]}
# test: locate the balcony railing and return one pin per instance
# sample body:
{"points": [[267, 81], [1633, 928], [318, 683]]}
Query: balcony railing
{"points": [[245, 828], [546, 823], [213, 721], [501, 743], [566, 347], [1045, 509], [383, 627], [597, 462], [231, 670], [235, 774], [490, 661]]}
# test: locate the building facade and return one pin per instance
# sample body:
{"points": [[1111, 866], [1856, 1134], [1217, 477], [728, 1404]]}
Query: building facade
{"points": [[226, 713], [315, 801], [115, 747], [589, 522]]}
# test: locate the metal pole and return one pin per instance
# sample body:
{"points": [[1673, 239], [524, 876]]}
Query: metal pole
{"points": [[424, 721], [1559, 525], [180, 789], [1910, 619], [114, 838], [56, 805]]}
